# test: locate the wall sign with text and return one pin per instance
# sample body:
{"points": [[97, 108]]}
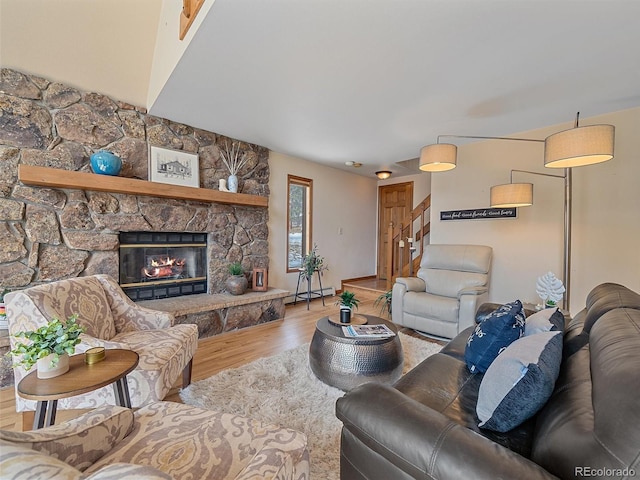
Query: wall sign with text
{"points": [[478, 214]]}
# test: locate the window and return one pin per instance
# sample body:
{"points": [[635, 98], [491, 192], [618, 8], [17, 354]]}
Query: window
{"points": [[299, 220]]}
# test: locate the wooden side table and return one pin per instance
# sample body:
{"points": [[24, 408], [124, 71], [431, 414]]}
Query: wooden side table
{"points": [[81, 378]]}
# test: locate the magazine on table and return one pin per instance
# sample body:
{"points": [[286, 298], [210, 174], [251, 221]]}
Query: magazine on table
{"points": [[367, 331]]}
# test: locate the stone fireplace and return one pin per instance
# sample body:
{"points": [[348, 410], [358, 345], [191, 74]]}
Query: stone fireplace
{"points": [[157, 265], [51, 233]]}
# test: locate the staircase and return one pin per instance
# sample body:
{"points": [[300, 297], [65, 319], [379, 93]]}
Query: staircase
{"points": [[403, 257], [415, 225]]}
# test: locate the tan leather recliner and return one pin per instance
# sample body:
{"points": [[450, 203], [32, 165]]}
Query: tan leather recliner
{"points": [[453, 280]]}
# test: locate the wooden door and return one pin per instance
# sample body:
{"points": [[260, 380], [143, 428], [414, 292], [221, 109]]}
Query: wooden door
{"points": [[394, 202]]}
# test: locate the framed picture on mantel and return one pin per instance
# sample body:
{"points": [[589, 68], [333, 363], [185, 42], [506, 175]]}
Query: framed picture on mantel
{"points": [[259, 279], [174, 167]]}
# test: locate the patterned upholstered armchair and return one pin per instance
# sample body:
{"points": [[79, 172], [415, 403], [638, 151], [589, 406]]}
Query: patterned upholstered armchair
{"points": [[163, 440], [111, 320]]}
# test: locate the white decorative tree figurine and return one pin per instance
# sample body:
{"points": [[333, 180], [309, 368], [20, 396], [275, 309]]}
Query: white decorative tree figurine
{"points": [[549, 289]]}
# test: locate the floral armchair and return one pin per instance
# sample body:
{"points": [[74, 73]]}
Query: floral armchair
{"points": [[163, 440], [111, 320]]}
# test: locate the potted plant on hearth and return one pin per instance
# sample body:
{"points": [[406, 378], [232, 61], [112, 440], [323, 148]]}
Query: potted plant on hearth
{"points": [[49, 347], [237, 283], [347, 302]]}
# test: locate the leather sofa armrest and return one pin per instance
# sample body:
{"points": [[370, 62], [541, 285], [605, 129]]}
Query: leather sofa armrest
{"points": [[485, 310], [412, 284], [424, 443]]}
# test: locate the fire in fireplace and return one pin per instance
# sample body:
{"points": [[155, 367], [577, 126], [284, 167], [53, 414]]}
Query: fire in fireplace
{"points": [[161, 265], [164, 267]]}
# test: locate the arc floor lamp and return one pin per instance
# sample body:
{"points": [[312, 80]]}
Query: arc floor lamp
{"points": [[575, 147]]}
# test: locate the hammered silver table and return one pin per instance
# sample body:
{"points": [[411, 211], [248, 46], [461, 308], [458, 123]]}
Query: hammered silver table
{"points": [[346, 362]]}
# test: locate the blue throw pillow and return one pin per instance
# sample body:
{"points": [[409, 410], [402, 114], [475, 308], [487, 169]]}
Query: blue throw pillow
{"points": [[545, 320], [520, 381], [494, 334]]}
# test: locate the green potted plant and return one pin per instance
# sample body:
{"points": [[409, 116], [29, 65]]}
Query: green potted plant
{"points": [[49, 347], [347, 302], [384, 301], [237, 283], [312, 262]]}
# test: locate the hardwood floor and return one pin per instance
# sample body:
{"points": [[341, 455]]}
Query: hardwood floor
{"points": [[231, 349]]}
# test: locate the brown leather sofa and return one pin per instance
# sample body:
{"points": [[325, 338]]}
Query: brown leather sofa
{"points": [[425, 425]]}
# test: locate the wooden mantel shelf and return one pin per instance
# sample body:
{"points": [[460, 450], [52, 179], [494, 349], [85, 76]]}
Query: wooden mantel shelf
{"points": [[56, 178]]}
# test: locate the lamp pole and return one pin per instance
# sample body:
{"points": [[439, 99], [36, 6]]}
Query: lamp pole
{"points": [[566, 301], [566, 267]]}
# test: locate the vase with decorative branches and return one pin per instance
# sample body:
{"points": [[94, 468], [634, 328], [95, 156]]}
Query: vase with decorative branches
{"points": [[234, 159]]}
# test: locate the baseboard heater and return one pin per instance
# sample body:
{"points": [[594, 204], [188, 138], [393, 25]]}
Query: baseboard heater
{"points": [[326, 292]]}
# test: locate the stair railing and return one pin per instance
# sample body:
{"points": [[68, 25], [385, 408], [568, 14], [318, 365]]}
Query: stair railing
{"points": [[403, 257]]}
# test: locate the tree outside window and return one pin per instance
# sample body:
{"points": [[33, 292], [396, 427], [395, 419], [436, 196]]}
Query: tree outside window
{"points": [[299, 220]]}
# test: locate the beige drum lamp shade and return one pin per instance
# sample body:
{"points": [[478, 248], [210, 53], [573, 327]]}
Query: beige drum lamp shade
{"points": [[438, 157], [579, 146], [512, 195]]}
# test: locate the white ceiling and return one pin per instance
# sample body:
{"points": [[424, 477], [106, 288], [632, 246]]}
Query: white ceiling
{"points": [[372, 81]]}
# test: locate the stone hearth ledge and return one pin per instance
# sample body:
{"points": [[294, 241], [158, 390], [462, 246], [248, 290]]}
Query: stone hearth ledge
{"points": [[205, 302], [223, 312]]}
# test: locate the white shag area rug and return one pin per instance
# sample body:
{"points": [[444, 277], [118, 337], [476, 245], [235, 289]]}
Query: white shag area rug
{"points": [[283, 390]]}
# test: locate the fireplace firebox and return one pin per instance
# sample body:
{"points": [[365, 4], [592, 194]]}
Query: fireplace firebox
{"points": [[161, 265]]}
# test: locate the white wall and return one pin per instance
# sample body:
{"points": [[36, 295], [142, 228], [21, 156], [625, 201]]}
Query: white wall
{"points": [[168, 46], [340, 200], [99, 46], [606, 213]]}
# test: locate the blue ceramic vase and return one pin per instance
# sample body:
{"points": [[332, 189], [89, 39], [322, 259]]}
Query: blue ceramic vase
{"points": [[105, 163]]}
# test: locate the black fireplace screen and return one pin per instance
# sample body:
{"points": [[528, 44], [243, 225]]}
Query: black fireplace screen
{"points": [[162, 265]]}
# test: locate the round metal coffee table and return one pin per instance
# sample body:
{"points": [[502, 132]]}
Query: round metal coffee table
{"points": [[346, 362]]}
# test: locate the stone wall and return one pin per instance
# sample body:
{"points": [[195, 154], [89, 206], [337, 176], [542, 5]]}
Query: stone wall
{"points": [[50, 234]]}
